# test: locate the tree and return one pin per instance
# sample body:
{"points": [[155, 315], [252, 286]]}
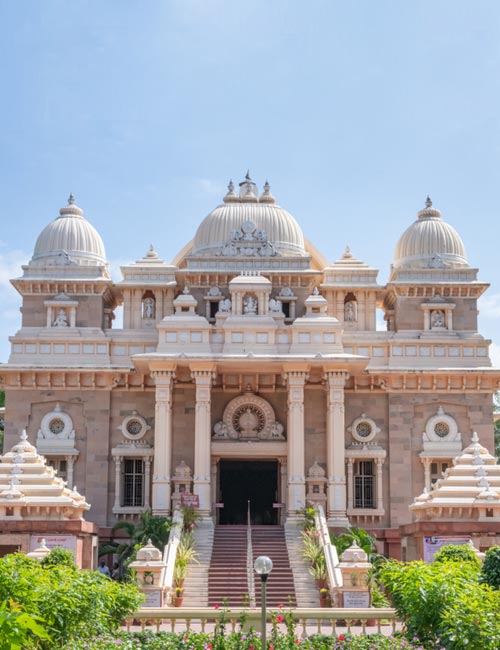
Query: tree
{"points": [[150, 527]]}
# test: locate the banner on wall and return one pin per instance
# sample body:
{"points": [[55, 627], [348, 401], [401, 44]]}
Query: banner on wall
{"points": [[434, 543], [53, 541]]}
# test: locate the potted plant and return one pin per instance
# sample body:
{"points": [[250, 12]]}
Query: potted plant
{"points": [[319, 572], [178, 596], [324, 597]]}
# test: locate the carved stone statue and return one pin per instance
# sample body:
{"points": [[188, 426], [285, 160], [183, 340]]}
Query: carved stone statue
{"points": [[275, 306], [349, 312], [250, 305], [61, 319], [148, 308], [437, 318], [225, 306]]}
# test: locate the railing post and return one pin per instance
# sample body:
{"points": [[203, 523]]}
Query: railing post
{"points": [[250, 574]]}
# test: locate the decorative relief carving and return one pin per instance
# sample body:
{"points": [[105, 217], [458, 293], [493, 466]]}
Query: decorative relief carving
{"points": [[441, 430], [61, 320], [248, 241], [56, 425], [363, 429], [134, 427], [248, 417]]}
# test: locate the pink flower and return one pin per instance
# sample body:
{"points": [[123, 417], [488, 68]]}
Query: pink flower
{"points": [[280, 605], [279, 619], [216, 606], [341, 637]]}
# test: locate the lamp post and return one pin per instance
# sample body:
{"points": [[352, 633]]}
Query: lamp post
{"points": [[263, 566]]}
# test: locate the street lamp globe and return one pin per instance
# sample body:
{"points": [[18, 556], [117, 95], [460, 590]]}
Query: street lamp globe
{"points": [[263, 565]]}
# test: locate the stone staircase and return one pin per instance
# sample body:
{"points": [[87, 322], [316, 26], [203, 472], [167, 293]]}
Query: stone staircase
{"points": [[270, 541], [306, 592], [196, 583], [227, 578]]}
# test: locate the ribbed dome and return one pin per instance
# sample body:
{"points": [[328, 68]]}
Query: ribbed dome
{"points": [[272, 224], [430, 242], [69, 239]]}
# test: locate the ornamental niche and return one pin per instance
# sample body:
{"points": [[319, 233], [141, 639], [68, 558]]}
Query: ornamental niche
{"points": [[248, 417], [248, 241]]}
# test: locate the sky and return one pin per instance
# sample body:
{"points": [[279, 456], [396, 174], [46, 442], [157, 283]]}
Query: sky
{"points": [[354, 112]]}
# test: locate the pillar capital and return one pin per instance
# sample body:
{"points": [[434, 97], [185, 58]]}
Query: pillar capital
{"points": [[335, 378], [163, 376]]}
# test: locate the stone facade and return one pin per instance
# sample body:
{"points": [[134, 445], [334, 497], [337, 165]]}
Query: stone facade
{"points": [[251, 310]]}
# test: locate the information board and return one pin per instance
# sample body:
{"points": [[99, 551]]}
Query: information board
{"points": [[434, 543]]}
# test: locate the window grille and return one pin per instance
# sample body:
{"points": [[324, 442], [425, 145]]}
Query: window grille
{"points": [[364, 484], [133, 482]]}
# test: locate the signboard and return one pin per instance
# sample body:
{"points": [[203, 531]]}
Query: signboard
{"points": [[435, 543], [153, 598], [356, 599], [190, 500], [278, 505], [53, 541]]}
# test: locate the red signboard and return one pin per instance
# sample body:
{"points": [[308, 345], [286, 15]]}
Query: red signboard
{"points": [[190, 500]]}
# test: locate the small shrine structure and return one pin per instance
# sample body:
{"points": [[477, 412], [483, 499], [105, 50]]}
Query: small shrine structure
{"points": [[36, 505]]}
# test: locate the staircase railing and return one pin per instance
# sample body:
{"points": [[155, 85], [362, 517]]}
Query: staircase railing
{"points": [[331, 556], [170, 552], [250, 573]]}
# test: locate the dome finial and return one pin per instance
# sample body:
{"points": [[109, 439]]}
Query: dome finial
{"points": [[71, 199], [248, 189], [428, 202], [231, 195], [266, 196], [247, 177]]}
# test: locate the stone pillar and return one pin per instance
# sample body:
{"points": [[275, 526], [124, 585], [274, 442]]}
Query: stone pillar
{"points": [[350, 484], [340, 306], [295, 432], [147, 481], [49, 316], [427, 320], [361, 314], [162, 467], [203, 378], [380, 495], [335, 449], [118, 482], [427, 473], [70, 461]]}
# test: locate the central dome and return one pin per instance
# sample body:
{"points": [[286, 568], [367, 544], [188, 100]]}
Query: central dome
{"points": [[246, 218]]}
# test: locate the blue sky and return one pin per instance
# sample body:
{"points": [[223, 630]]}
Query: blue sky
{"points": [[354, 111]]}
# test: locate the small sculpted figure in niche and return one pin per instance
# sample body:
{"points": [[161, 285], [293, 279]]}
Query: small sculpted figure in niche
{"points": [[350, 312], [148, 308], [61, 319], [437, 318], [250, 305]]}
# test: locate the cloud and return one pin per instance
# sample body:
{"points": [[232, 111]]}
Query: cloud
{"points": [[489, 306]]}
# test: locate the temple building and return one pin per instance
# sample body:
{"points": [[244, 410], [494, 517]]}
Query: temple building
{"points": [[251, 368]]}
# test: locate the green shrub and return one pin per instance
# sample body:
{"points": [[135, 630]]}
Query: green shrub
{"points": [[421, 593], [472, 620], [453, 553], [490, 573], [71, 603], [17, 626]]}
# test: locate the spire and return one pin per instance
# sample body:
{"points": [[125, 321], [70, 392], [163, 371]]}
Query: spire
{"points": [[428, 210], [231, 196], [71, 209], [428, 202], [71, 199], [266, 196], [248, 189]]}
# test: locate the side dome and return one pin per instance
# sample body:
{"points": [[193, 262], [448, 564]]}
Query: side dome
{"points": [[69, 239], [247, 224], [430, 242]]}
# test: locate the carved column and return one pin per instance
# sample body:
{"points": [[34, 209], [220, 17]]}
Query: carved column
{"points": [[118, 482], [380, 494], [70, 461], [427, 473], [335, 449], [340, 305], [361, 316], [162, 466], [147, 481], [350, 484], [295, 432], [202, 438]]}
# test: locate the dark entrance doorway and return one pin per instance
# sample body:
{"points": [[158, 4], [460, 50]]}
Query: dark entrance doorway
{"points": [[242, 481]]}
